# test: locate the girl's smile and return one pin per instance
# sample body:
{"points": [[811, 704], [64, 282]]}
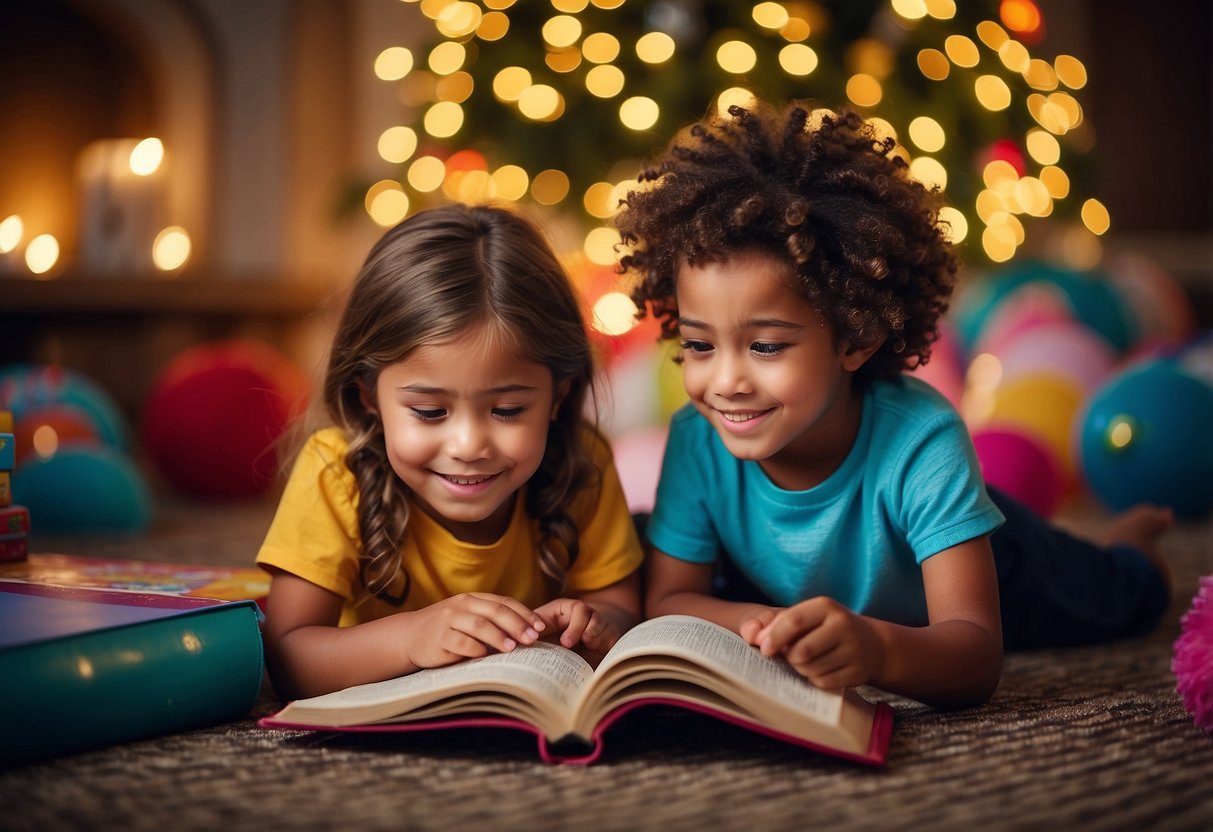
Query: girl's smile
{"points": [[466, 424]]}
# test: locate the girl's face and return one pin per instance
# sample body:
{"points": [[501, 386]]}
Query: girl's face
{"points": [[466, 423], [761, 366]]}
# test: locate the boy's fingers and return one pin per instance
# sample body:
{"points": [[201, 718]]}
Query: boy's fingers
{"points": [[579, 617]]}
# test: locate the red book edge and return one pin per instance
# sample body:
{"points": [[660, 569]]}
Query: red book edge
{"points": [[876, 755]]}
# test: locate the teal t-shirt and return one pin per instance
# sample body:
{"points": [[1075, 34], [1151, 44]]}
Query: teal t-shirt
{"points": [[910, 487]]}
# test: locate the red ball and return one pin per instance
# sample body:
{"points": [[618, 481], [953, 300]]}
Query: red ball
{"points": [[216, 413]]}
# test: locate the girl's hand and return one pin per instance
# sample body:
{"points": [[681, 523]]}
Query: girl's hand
{"points": [[825, 642], [469, 626], [577, 623]]}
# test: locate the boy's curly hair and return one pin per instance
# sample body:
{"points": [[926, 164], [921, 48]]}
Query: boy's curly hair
{"points": [[861, 238]]}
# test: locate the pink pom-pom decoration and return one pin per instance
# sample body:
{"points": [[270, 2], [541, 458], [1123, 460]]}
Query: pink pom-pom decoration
{"points": [[1192, 661]]}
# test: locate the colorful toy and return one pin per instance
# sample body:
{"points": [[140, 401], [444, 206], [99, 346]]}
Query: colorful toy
{"points": [[1146, 437], [1022, 466], [638, 459], [29, 387], [1065, 347], [84, 489], [43, 430], [945, 371], [1045, 405], [1092, 299], [215, 414], [1192, 657]]}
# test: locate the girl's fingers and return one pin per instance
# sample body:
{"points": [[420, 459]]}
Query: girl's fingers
{"points": [[509, 617], [578, 617]]}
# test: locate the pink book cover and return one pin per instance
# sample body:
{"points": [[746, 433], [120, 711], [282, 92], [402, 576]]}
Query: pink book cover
{"points": [[876, 754]]}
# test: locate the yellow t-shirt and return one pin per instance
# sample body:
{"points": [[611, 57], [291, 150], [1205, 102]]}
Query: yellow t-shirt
{"points": [[314, 535]]}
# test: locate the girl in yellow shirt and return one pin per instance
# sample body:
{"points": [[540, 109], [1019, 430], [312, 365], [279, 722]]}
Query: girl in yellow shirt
{"points": [[461, 504]]}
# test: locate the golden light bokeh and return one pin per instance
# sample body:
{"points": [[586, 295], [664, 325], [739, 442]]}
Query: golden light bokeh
{"points": [[655, 48], [736, 57], [600, 48], [605, 81], [928, 134], [562, 31], [397, 144], [426, 173], [770, 15], [550, 186], [12, 229], [992, 92], [933, 64], [864, 90], [798, 59], [511, 82], [1095, 216], [393, 63], [171, 248], [953, 224], [443, 120], [42, 253], [447, 57], [146, 157], [639, 112], [961, 51], [511, 182]]}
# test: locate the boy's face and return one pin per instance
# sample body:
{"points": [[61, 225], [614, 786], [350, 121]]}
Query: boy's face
{"points": [[466, 425], [761, 366]]}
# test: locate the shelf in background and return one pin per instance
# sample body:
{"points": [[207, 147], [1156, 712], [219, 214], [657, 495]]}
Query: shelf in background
{"points": [[192, 295]]}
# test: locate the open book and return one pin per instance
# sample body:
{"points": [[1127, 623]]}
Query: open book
{"points": [[553, 692]]}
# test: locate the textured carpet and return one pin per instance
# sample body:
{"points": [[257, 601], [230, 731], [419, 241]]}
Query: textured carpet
{"points": [[1091, 738]]}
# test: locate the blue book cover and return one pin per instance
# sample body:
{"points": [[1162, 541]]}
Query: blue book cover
{"points": [[87, 666]]}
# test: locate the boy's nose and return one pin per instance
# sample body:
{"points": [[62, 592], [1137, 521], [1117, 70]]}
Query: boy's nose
{"points": [[731, 378]]}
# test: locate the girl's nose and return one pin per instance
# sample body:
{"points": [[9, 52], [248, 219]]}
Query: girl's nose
{"points": [[468, 440]]}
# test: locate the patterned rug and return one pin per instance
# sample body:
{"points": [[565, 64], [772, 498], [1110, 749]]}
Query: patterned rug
{"points": [[1089, 738]]}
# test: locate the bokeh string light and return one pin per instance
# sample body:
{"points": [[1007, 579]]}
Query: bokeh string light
{"points": [[560, 102]]}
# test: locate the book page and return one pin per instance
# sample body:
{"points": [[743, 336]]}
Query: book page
{"points": [[727, 654], [549, 675]]}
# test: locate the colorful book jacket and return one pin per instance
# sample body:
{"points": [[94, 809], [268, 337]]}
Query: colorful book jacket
{"points": [[86, 666]]}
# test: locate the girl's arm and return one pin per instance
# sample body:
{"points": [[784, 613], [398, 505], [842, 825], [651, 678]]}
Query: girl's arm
{"points": [[954, 661], [308, 654], [680, 587]]}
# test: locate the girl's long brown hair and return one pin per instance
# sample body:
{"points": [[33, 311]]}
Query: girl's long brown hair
{"points": [[433, 275]]}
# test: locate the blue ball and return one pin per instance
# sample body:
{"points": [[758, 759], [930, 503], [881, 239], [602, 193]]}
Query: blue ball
{"points": [[83, 489], [1147, 436], [1091, 295], [25, 387]]}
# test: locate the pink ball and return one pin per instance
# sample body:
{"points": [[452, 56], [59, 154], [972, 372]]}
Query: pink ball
{"points": [[638, 458], [945, 371], [1065, 347], [1021, 466], [1192, 660], [1030, 306]]}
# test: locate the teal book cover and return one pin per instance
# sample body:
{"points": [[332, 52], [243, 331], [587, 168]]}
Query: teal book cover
{"points": [[86, 667]]}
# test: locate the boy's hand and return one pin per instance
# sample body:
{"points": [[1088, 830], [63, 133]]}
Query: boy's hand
{"points": [[823, 641], [468, 626], [577, 623]]}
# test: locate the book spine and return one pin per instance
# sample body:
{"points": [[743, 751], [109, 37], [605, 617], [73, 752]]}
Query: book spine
{"points": [[198, 668]]}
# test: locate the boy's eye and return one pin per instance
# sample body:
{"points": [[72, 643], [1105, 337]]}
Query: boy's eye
{"points": [[507, 413], [428, 414], [767, 348], [696, 346]]}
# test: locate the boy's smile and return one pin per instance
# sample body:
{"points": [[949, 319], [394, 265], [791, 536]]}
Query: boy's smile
{"points": [[760, 364]]}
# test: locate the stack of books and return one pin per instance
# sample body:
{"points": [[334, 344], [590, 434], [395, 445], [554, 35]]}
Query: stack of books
{"points": [[14, 520]]}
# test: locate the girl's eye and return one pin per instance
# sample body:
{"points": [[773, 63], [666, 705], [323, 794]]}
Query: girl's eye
{"points": [[767, 348], [428, 414], [696, 346], [507, 413]]}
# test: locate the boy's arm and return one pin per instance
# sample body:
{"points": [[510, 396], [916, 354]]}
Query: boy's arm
{"points": [[954, 661], [678, 587]]}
